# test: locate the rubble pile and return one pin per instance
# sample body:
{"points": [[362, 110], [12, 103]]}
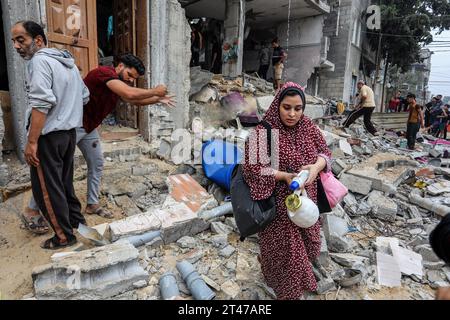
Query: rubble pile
{"points": [[376, 240]]}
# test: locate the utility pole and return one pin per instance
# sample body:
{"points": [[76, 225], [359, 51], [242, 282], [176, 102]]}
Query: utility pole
{"points": [[377, 63], [386, 67]]}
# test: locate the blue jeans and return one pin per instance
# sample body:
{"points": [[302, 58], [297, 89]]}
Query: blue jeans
{"points": [[91, 148]]}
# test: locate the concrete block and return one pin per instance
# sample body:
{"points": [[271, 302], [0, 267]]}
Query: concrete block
{"points": [[349, 260], [178, 220], [220, 228], [427, 253], [335, 230], [187, 242], [143, 171], [382, 207], [129, 207], [227, 252], [218, 241], [338, 166], [325, 285], [324, 256], [231, 289], [356, 184], [100, 273], [345, 147], [135, 225]]}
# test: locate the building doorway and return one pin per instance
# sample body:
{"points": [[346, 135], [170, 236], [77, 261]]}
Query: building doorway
{"points": [[117, 29]]}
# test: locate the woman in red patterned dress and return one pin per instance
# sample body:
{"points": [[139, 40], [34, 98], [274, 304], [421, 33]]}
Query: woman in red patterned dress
{"points": [[287, 251]]}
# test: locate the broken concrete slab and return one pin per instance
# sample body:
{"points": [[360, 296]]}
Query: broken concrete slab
{"points": [[433, 265], [140, 171], [338, 166], [178, 220], [345, 147], [383, 207], [133, 187], [134, 225], [335, 230], [100, 273], [221, 228], [244, 267], [199, 79], [385, 170], [194, 256], [218, 241], [349, 260], [231, 222], [211, 283], [439, 188], [206, 95], [231, 289], [129, 207], [325, 285], [427, 253], [324, 256], [356, 184], [227, 252], [187, 242]]}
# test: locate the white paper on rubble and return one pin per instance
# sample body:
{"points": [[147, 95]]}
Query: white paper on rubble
{"points": [[408, 261], [388, 271]]}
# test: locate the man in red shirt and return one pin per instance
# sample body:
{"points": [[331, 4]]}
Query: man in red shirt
{"points": [[106, 86]]}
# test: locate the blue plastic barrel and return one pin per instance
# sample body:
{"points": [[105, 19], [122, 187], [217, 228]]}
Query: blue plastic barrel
{"points": [[219, 160]]}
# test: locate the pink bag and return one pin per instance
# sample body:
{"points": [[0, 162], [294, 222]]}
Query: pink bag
{"points": [[334, 189]]}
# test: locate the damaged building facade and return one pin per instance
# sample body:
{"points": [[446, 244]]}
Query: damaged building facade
{"points": [[94, 32], [324, 41]]}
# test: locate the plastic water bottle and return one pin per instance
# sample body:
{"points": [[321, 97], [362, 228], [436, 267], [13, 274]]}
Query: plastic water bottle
{"points": [[299, 181]]}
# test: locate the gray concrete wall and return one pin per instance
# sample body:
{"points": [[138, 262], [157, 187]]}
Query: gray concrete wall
{"points": [[14, 11], [170, 54], [343, 54], [234, 29], [305, 44]]}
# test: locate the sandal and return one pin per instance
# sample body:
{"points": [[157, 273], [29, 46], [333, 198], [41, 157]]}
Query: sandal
{"points": [[54, 244], [35, 224], [102, 213]]}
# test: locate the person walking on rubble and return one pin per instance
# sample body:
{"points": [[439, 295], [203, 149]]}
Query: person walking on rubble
{"points": [[365, 108], [56, 95], [278, 58], [416, 120], [287, 251], [107, 85]]}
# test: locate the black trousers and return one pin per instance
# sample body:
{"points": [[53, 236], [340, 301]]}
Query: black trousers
{"points": [[263, 69], [367, 113], [52, 183], [411, 134]]}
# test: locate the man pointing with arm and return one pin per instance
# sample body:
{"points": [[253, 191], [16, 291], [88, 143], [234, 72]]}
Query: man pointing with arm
{"points": [[107, 85]]}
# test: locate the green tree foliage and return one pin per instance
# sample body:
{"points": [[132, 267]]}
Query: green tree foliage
{"points": [[406, 26]]}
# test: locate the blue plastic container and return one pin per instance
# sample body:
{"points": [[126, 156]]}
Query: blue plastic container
{"points": [[219, 160]]}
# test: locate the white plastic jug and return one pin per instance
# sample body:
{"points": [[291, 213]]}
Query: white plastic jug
{"points": [[306, 213], [302, 211]]}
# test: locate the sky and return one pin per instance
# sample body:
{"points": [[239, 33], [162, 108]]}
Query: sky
{"points": [[440, 65]]}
